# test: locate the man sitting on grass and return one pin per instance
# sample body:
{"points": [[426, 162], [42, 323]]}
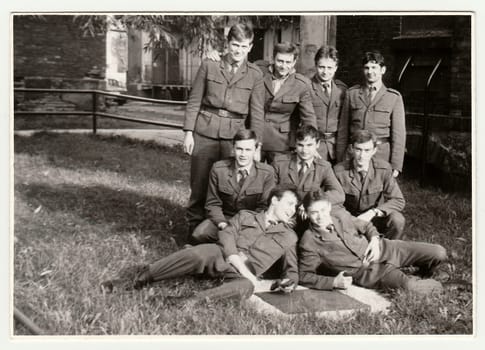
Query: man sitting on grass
{"points": [[235, 184], [247, 248], [338, 250]]}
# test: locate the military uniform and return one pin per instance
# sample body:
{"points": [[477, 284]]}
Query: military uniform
{"points": [[218, 107], [327, 110], [379, 190], [384, 116], [319, 177], [225, 197], [279, 126], [323, 255], [247, 234]]}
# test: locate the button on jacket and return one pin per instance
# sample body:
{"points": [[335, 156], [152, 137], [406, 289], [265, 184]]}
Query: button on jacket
{"points": [[246, 233], [318, 177], [243, 94], [279, 127], [322, 259], [224, 196], [379, 190], [384, 116], [327, 111]]}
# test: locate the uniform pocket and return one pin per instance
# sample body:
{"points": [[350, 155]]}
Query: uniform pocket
{"points": [[290, 99]]}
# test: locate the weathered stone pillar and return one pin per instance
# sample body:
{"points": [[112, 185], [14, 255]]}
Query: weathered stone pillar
{"points": [[315, 31]]}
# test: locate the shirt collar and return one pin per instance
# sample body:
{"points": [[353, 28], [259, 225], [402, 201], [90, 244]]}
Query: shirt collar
{"points": [[377, 85], [247, 168]]}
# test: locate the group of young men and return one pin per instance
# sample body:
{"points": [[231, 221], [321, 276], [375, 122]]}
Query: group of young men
{"points": [[295, 175]]}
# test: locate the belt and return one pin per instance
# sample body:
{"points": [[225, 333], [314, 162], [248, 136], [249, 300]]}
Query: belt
{"points": [[381, 140], [224, 113], [328, 135]]}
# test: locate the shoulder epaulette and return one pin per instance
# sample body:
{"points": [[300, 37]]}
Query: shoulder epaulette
{"points": [[341, 166], [256, 67], [354, 87], [302, 78], [322, 162], [394, 91], [222, 163], [340, 83], [381, 164], [263, 166], [282, 158]]}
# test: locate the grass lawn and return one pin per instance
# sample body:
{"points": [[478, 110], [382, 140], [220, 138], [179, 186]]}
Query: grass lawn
{"points": [[87, 206]]}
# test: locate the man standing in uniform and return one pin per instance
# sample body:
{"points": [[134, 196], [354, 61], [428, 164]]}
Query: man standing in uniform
{"points": [[235, 184], [223, 95], [371, 192], [285, 92], [327, 96], [246, 249], [378, 109], [339, 249]]}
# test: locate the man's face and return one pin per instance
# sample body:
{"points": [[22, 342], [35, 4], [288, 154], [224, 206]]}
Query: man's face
{"points": [[307, 148], [238, 50], [363, 153], [285, 207], [319, 214], [373, 72], [326, 68], [283, 64], [244, 151]]}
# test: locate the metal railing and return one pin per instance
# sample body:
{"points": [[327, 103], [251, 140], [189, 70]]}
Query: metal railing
{"points": [[95, 113]]}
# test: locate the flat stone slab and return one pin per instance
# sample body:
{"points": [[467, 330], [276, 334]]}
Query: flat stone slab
{"points": [[326, 304]]}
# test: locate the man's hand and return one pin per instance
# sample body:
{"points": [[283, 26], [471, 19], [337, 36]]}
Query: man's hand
{"points": [[188, 142], [395, 173], [283, 286], [367, 216], [373, 251], [214, 55], [222, 225], [341, 281]]}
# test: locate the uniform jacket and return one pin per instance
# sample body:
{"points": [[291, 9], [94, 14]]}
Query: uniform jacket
{"points": [[279, 126], [246, 233], [380, 189], [213, 87], [224, 196], [384, 116], [319, 177], [319, 261], [327, 111]]}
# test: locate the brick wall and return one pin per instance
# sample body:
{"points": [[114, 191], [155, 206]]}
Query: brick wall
{"points": [[357, 34], [54, 46]]}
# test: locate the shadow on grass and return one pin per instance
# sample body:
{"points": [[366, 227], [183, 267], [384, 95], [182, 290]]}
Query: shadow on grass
{"points": [[134, 158], [125, 210]]}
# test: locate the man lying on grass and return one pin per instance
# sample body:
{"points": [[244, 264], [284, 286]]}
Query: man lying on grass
{"points": [[338, 250], [247, 248]]}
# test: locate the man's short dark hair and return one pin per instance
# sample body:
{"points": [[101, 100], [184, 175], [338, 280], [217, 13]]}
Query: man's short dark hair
{"points": [[373, 57], [286, 47], [279, 192], [244, 134], [307, 131], [240, 32], [326, 51], [314, 196], [363, 136]]}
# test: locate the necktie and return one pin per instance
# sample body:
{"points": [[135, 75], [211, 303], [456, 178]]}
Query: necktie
{"points": [[243, 173], [301, 172], [326, 87], [372, 93], [233, 69], [362, 174]]}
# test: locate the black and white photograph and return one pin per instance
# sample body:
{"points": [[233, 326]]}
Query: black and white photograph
{"points": [[242, 174]]}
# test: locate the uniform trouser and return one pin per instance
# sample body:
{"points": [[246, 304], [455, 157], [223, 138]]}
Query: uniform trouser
{"points": [[206, 152], [206, 259], [391, 226], [205, 232], [327, 150], [386, 273]]}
